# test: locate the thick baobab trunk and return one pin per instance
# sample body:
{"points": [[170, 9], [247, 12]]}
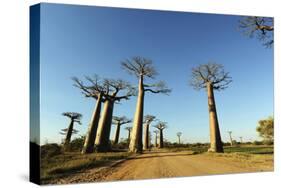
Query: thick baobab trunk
{"points": [[102, 139], [161, 144], [68, 135], [179, 140], [93, 126], [117, 132], [146, 136], [136, 137], [215, 137]]}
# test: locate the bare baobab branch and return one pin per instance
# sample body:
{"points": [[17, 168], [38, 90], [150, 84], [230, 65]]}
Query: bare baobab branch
{"points": [[260, 27]]}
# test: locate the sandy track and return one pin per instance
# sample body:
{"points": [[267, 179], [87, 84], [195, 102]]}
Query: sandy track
{"points": [[170, 164], [166, 164]]}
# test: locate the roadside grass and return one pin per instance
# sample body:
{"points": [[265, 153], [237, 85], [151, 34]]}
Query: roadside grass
{"points": [[250, 149], [72, 162]]}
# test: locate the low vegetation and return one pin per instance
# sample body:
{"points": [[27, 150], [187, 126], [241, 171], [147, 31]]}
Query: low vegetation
{"points": [[56, 164]]}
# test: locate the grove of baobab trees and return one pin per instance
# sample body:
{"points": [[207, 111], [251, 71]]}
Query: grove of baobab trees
{"points": [[118, 121], [147, 121], [74, 118], [161, 126], [114, 87], [211, 77], [141, 68]]}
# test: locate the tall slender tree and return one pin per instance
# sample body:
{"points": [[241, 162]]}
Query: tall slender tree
{"points": [[74, 117], [129, 129], [259, 27], [118, 121], [142, 68], [116, 91], [161, 126], [230, 137], [156, 137], [147, 121], [179, 136], [96, 90], [212, 77]]}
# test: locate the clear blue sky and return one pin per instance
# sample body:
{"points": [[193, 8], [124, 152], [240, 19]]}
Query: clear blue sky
{"points": [[86, 40]]}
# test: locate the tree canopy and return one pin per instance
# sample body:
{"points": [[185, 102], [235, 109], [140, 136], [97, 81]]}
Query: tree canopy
{"points": [[212, 73], [260, 27], [266, 128]]}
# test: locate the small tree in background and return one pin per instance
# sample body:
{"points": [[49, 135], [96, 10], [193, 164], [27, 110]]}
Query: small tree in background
{"points": [[74, 117], [118, 121], [179, 136], [129, 129], [161, 126], [147, 121], [212, 77], [259, 27], [156, 137], [266, 129]]}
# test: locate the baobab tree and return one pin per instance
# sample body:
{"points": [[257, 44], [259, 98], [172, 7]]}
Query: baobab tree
{"points": [[142, 68], [156, 137], [259, 27], [116, 91], [230, 137], [147, 121], [241, 139], [161, 126], [179, 136], [95, 90], [129, 129], [212, 77], [118, 121], [74, 118]]}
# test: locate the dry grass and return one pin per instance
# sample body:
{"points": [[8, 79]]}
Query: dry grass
{"points": [[69, 163]]}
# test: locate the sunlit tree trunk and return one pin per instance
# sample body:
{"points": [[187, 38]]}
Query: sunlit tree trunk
{"points": [[102, 139], [179, 140], [215, 137], [93, 126], [161, 144], [117, 133], [136, 137], [156, 137], [146, 136], [68, 135]]}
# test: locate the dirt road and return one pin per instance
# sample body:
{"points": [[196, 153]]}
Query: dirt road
{"points": [[173, 164], [166, 164]]}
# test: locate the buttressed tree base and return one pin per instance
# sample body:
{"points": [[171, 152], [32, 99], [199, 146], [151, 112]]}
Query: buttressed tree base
{"points": [[113, 94]]}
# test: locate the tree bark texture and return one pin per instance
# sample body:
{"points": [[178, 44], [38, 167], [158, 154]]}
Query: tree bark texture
{"points": [[93, 126], [136, 137], [215, 137], [117, 133], [102, 139], [68, 135], [161, 143], [146, 136]]}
